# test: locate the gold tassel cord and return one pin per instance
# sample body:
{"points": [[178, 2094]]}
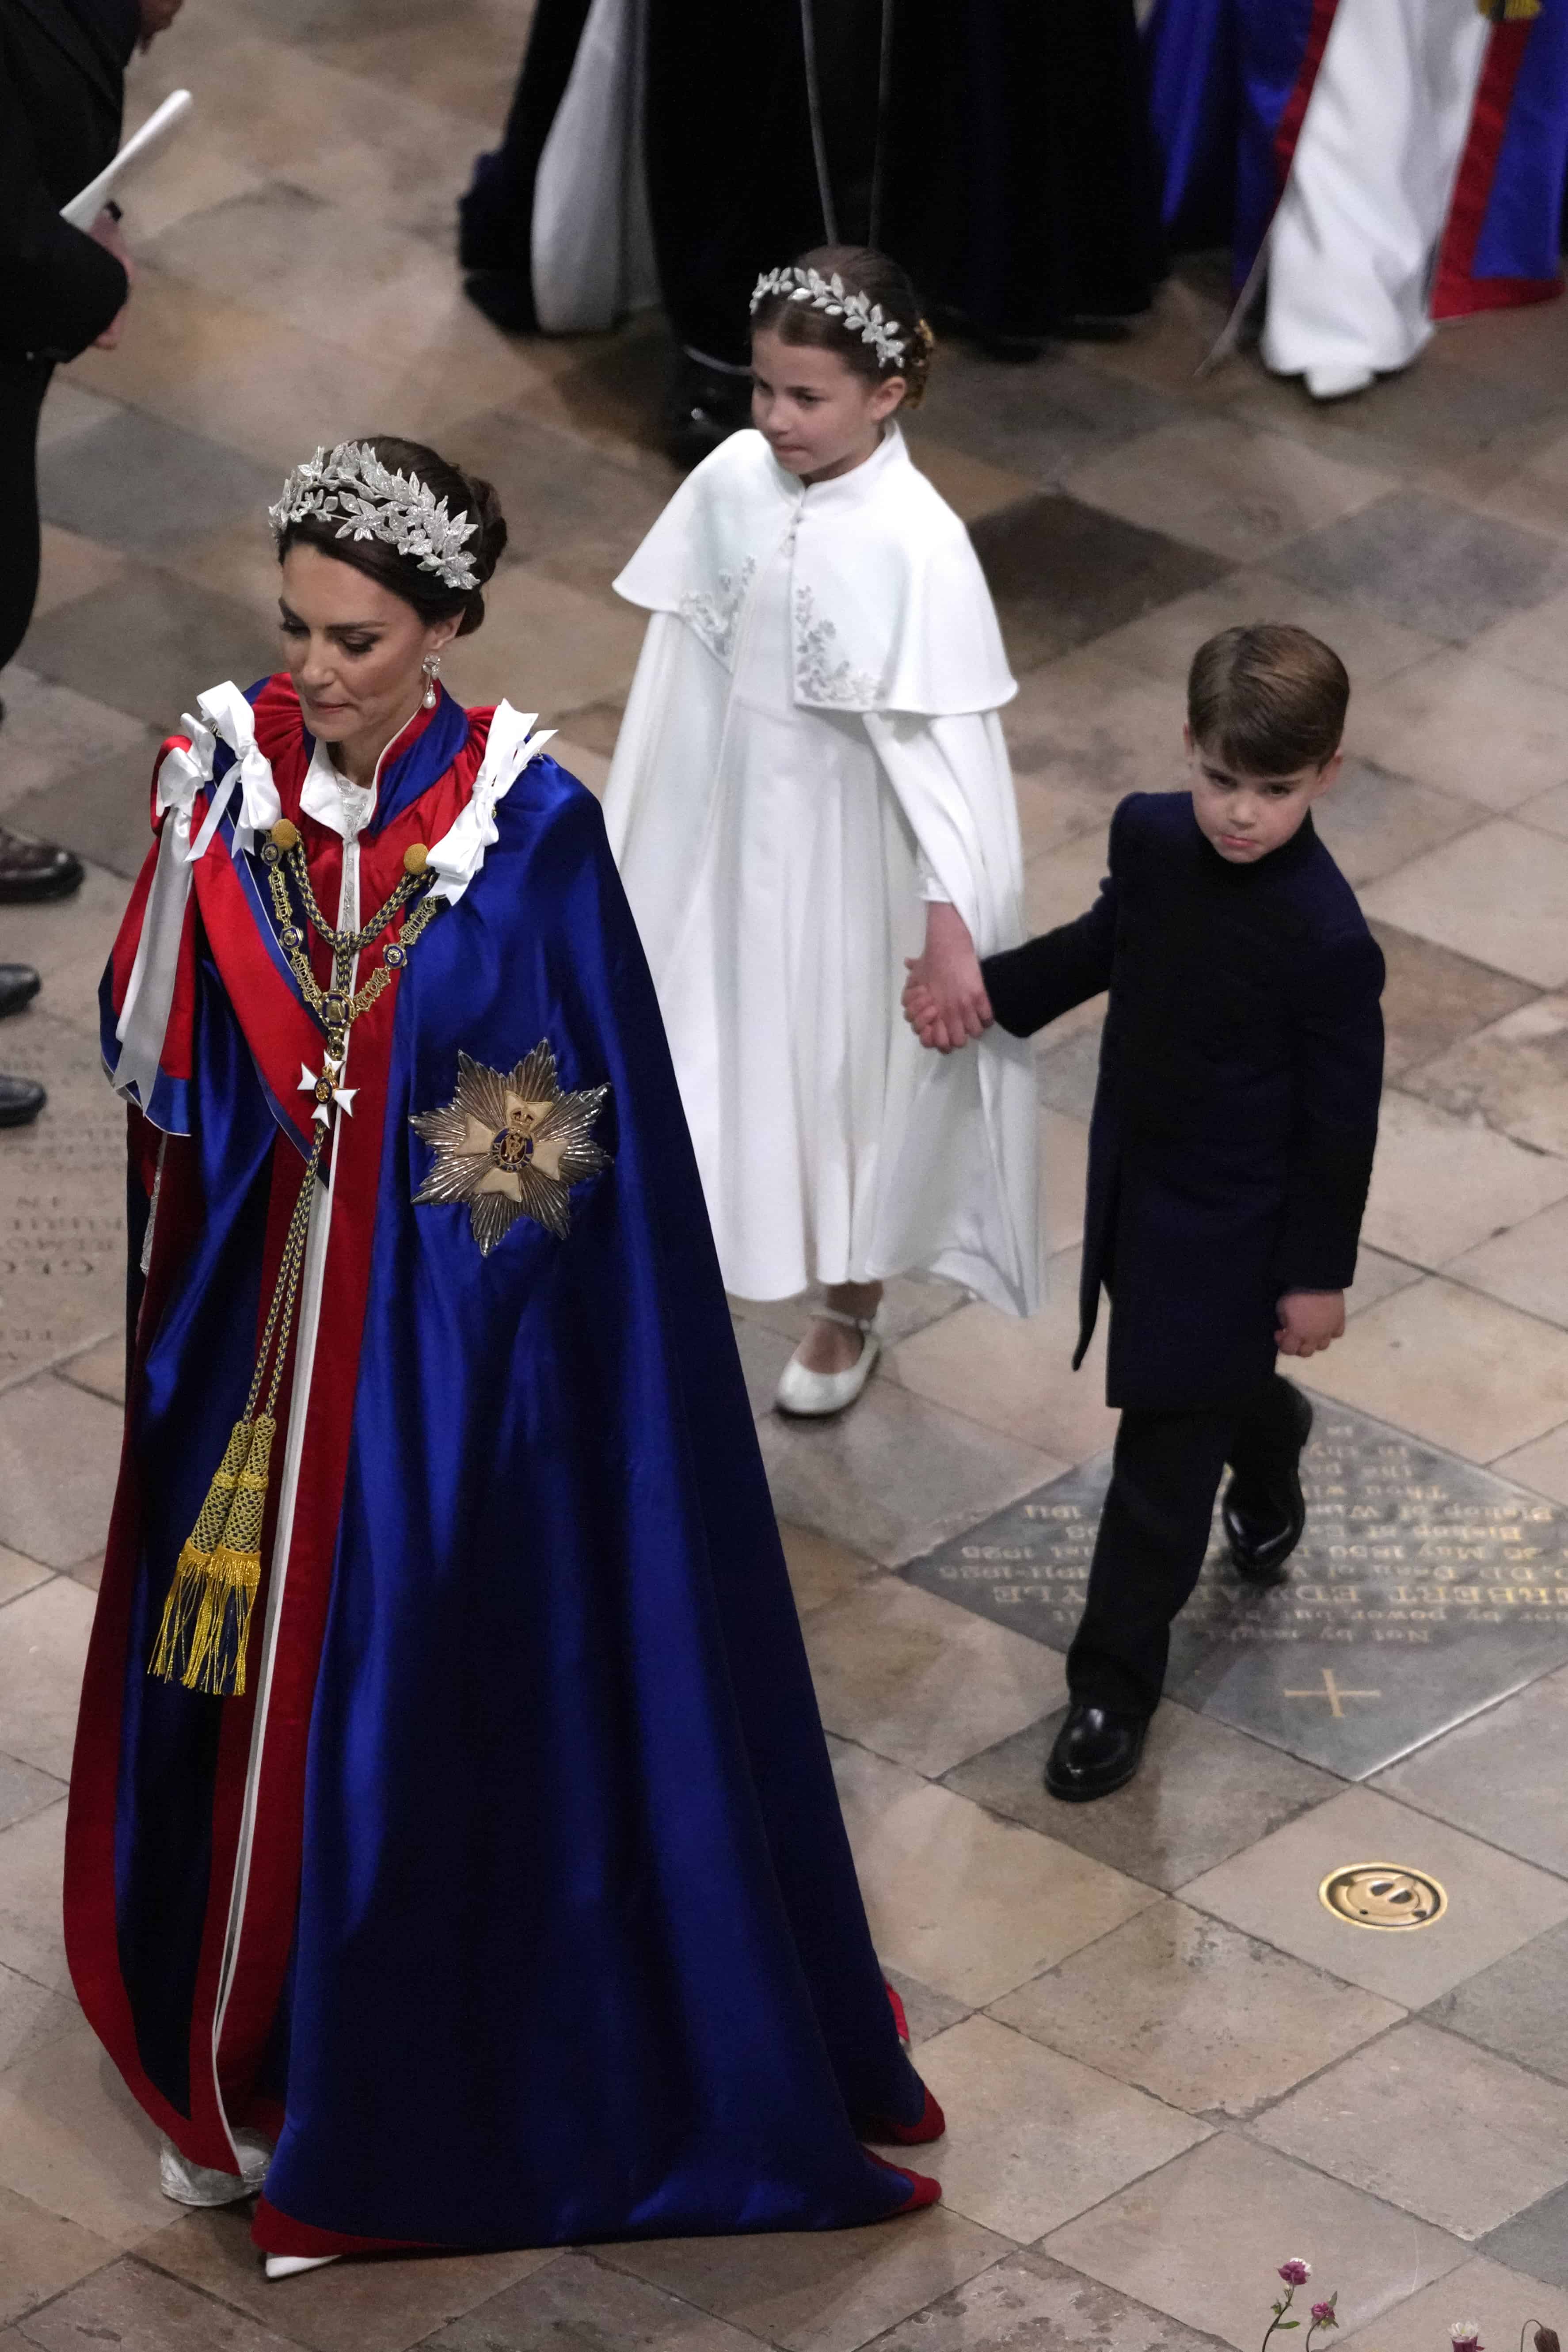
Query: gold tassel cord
{"points": [[1510, 12], [206, 1626]]}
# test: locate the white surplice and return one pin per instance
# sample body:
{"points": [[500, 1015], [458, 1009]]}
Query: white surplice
{"points": [[1353, 244], [811, 749]]}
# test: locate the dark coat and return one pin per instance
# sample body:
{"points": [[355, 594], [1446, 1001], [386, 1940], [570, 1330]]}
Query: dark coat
{"points": [[62, 70], [1236, 1110]]}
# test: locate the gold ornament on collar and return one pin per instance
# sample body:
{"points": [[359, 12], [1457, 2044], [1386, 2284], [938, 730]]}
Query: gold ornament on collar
{"points": [[1508, 12], [510, 1144]]}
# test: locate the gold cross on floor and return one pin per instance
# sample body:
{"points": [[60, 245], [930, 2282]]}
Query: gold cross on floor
{"points": [[1332, 1692]]}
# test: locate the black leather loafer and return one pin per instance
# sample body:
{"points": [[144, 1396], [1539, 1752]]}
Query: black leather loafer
{"points": [[21, 1100], [1263, 1529], [18, 986], [1096, 1749], [35, 870]]}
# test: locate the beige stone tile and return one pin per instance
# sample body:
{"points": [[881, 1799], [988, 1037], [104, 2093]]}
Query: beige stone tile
{"points": [[100, 1368], [1017, 1375], [1383, 2119], [820, 1570], [379, 2307], [1534, 642], [1063, 1181], [59, 1457], [1033, 2137], [545, 646], [1201, 1793], [1057, 806], [1526, 1265], [74, 2140], [1061, 884], [1203, 2017], [1500, 2300], [137, 2308], [1495, 1905], [32, 1861], [1377, 1276], [72, 567], [1468, 726], [968, 1904], [917, 1679], [1542, 1464], [1433, 1001], [69, 410], [817, 2291], [1374, 822], [1218, 485], [24, 1790], [1498, 894], [51, 732], [1086, 721], [1203, 2239], [1162, 643], [240, 561], [1513, 1074], [30, 2018], [1452, 1366], [18, 1574], [43, 1647], [1440, 1184], [926, 2013], [1029, 2303], [972, 485], [79, 930], [1499, 1776], [1549, 810], [590, 768], [40, 2255]]}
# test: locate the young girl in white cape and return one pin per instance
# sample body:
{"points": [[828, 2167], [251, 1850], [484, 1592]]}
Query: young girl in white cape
{"points": [[810, 799]]}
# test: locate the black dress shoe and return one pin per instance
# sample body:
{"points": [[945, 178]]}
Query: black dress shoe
{"points": [[18, 986], [703, 409], [31, 870], [1096, 1749], [1264, 1526], [21, 1100]]}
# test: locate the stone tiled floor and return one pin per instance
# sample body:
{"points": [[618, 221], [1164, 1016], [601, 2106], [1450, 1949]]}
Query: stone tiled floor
{"points": [[1166, 2066]]}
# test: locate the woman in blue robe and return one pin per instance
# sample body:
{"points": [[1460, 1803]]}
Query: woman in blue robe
{"points": [[454, 1853]]}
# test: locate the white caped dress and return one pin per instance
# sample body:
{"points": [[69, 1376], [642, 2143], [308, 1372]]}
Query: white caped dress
{"points": [[811, 749]]}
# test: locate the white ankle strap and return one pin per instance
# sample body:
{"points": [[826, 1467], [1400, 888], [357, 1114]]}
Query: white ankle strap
{"points": [[850, 1322]]}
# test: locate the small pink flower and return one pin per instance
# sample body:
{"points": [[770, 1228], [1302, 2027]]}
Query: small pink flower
{"points": [[1466, 2336], [1295, 2273], [1323, 2316]]}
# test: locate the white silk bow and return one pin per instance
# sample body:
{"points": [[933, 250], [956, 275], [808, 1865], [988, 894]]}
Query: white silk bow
{"points": [[457, 856]]}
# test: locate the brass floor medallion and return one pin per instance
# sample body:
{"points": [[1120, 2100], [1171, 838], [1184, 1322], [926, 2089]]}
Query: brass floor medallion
{"points": [[1382, 1895]]}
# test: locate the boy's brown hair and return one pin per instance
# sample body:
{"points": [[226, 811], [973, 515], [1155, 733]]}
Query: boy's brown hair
{"points": [[1269, 699]]}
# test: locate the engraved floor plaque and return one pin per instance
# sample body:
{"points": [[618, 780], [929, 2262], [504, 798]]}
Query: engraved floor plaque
{"points": [[1423, 1590]]}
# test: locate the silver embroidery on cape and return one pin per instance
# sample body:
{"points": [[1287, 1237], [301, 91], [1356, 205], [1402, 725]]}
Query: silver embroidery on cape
{"points": [[817, 676], [714, 619]]}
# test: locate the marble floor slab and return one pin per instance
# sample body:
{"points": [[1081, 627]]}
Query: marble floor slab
{"points": [[1424, 1588]]}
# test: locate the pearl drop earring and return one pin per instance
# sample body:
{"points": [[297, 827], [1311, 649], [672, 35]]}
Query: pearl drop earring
{"points": [[431, 666]]}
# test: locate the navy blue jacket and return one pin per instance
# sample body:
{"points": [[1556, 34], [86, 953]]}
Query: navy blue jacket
{"points": [[1236, 1110]]}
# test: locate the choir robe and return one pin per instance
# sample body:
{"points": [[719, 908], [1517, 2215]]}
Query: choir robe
{"points": [[1404, 160], [512, 1901]]}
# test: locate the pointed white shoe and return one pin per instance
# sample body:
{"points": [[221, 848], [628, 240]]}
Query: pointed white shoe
{"points": [[1338, 383], [809, 1394], [288, 2265]]}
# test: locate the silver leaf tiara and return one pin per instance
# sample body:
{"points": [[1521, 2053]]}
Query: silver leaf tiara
{"points": [[860, 315], [351, 487]]}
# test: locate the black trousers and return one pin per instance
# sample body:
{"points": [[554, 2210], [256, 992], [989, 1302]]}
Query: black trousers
{"points": [[23, 384], [1154, 1531]]}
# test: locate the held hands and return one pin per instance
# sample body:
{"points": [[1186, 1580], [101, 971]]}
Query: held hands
{"points": [[1310, 1320], [944, 997]]}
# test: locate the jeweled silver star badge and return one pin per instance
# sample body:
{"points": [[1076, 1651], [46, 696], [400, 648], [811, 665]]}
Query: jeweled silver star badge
{"points": [[510, 1144]]}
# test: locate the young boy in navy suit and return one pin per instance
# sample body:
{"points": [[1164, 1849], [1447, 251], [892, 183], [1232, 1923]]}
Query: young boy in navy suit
{"points": [[1230, 1155]]}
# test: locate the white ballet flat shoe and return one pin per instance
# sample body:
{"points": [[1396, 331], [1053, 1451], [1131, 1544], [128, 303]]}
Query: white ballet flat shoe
{"points": [[289, 2265], [809, 1395], [1338, 383]]}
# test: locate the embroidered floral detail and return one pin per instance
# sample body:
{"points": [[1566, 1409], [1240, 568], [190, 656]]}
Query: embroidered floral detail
{"points": [[817, 676], [714, 617]]}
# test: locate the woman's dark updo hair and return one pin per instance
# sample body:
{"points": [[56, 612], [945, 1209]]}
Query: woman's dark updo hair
{"points": [[429, 595], [866, 271]]}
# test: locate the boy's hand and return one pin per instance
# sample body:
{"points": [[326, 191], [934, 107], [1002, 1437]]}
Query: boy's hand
{"points": [[1309, 1321], [945, 999]]}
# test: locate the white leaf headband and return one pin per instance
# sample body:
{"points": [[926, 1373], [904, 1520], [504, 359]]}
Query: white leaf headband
{"points": [[350, 487], [860, 315]]}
